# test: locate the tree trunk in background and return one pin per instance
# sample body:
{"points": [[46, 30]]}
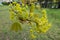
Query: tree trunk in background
{"points": [[59, 4], [46, 2]]}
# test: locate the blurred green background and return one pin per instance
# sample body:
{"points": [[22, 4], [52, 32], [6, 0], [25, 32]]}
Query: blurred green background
{"points": [[6, 34]]}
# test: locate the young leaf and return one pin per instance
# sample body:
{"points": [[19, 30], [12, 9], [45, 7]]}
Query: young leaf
{"points": [[16, 26]]}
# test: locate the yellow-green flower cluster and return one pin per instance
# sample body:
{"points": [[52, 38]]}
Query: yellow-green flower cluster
{"points": [[12, 15], [40, 24], [19, 10], [32, 7]]}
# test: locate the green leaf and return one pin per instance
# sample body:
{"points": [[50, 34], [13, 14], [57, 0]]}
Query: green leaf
{"points": [[16, 27]]}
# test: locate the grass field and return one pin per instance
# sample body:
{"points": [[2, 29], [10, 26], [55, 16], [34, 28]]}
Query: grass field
{"points": [[52, 34]]}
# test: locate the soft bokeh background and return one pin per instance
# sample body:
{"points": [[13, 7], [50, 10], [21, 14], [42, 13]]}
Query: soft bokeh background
{"points": [[6, 34]]}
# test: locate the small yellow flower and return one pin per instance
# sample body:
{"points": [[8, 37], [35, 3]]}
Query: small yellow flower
{"points": [[32, 7], [14, 2], [33, 36], [23, 9], [37, 20], [38, 31], [31, 30], [26, 6], [20, 12], [44, 29], [23, 5], [49, 25], [38, 6], [10, 5], [44, 11], [12, 15], [31, 14], [40, 23], [26, 15]]}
